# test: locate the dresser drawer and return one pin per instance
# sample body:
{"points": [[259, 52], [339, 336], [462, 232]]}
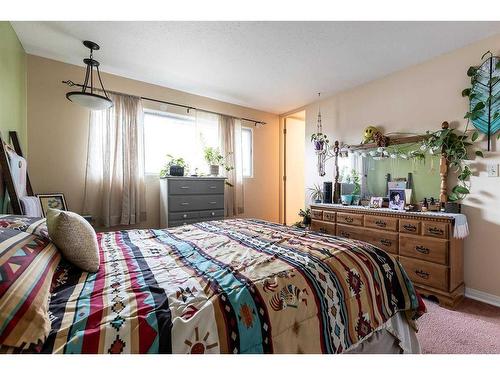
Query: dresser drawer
{"points": [[195, 202], [317, 214], [426, 273], [352, 219], [178, 223], [212, 214], [195, 186], [329, 216], [323, 227], [384, 240], [434, 229], [409, 226], [381, 222], [183, 216], [429, 249]]}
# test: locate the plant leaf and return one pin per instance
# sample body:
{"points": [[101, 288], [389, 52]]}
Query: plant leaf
{"points": [[482, 57], [479, 153], [466, 92], [475, 136], [471, 71], [452, 197], [460, 190], [478, 106]]}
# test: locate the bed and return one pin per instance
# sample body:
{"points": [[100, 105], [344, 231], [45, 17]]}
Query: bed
{"points": [[230, 286]]}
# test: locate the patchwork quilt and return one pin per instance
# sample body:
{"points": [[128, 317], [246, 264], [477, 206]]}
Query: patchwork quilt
{"points": [[232, 286]]}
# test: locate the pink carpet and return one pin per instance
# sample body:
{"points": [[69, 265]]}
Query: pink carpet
{"points": [[473, 328]]}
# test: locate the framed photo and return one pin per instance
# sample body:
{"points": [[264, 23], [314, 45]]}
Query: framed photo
{"points": [[397, 199], [376, 202], [54, 200]]}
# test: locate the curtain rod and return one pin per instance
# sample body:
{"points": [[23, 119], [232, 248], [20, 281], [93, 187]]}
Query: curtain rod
{"points": [[71, 83]]}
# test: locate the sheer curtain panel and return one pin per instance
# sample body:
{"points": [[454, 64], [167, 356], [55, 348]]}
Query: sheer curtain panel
{"points": [[114, 181], [230, 141]]}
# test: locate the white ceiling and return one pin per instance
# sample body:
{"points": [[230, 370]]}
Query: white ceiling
{"points": [[272, 66]]}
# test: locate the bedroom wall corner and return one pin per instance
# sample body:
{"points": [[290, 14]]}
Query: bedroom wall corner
{"points": [[13, 85]]}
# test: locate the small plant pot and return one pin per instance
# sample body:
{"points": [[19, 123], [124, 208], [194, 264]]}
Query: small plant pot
{"points": [[355, 200], [452, 207], [319, 145], [176, 170], [306, 221], [346, 200], [214, 170]]}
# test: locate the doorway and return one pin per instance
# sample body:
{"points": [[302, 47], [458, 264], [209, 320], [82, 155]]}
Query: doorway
{"points": [[294, 130]]}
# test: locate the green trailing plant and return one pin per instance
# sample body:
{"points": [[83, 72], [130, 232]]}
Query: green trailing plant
{"points": [[316, 193], [454, 145], [171, 161], [213, 156]]}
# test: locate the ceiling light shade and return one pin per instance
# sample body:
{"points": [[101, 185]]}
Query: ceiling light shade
{"points": [[87, 96]]}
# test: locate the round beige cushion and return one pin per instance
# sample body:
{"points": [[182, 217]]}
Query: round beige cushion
{"points": [[75, 238]]}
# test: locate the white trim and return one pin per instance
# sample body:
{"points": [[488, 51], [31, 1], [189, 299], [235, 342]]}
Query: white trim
{"points": [[490, 299]]}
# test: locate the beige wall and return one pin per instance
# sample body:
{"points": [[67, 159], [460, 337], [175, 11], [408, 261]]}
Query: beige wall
{"points": [[57, 138], [414, 100]]}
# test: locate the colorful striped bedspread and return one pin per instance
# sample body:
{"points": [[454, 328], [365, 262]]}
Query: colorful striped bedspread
{"points": [[233, 286]]}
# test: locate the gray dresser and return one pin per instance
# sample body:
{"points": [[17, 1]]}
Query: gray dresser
{"points": [[187, 200]]}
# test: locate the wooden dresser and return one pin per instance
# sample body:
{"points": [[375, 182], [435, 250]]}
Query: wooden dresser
{"points": [[187, 200], [424, 244]]}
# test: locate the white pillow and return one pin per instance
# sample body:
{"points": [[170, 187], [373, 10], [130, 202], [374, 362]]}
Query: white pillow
{"points": [[75, 238]]}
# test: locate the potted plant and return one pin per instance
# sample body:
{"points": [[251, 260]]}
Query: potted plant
{"points": [[356, 197], [215, 160], [316, 193], [320, 141], [174, 167], [306, 216]]}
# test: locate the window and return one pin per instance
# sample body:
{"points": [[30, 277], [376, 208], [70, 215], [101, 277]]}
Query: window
{"points": [[247, 151], [180, 136]]}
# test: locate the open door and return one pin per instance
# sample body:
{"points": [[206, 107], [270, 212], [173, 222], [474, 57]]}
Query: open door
{"points": [[293, 166]]}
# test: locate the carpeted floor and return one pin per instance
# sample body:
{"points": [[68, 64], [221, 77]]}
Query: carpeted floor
{"points": [[472, 328]]}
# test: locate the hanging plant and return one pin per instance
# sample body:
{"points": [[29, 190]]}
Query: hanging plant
{"points": [[320, 141], [484, 95]]}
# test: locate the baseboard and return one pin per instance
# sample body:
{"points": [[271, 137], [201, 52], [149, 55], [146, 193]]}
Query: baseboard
{"points": [[490, 299]]}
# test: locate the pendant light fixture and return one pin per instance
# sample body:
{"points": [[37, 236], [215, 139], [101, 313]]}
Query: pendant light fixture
{"points": [[86, 97]]}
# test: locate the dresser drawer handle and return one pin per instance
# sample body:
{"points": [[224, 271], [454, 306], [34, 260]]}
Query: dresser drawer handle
{"points": [[410, 227], [185, 216], [212, 213], [381, 224], [184, 204], [213, 187], [422, 249], [212, 202], [345, 234], [386, 242], [422, 274], [435, 230], [184, 187], [348, 219]]}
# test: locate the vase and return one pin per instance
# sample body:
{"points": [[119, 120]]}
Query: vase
{"points": [[355, 200], [346, 199], [214, 170]]}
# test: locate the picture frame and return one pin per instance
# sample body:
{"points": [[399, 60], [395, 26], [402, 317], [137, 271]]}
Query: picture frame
{"points": [[52, 200], [397, 199], [376, 202]]}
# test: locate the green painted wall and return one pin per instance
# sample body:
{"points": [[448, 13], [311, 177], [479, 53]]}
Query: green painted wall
{"points": [[12, 84]]}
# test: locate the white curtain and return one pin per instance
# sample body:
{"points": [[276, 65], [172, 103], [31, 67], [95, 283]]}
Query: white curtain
{"points": [[114, 182], [230, 145]]}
